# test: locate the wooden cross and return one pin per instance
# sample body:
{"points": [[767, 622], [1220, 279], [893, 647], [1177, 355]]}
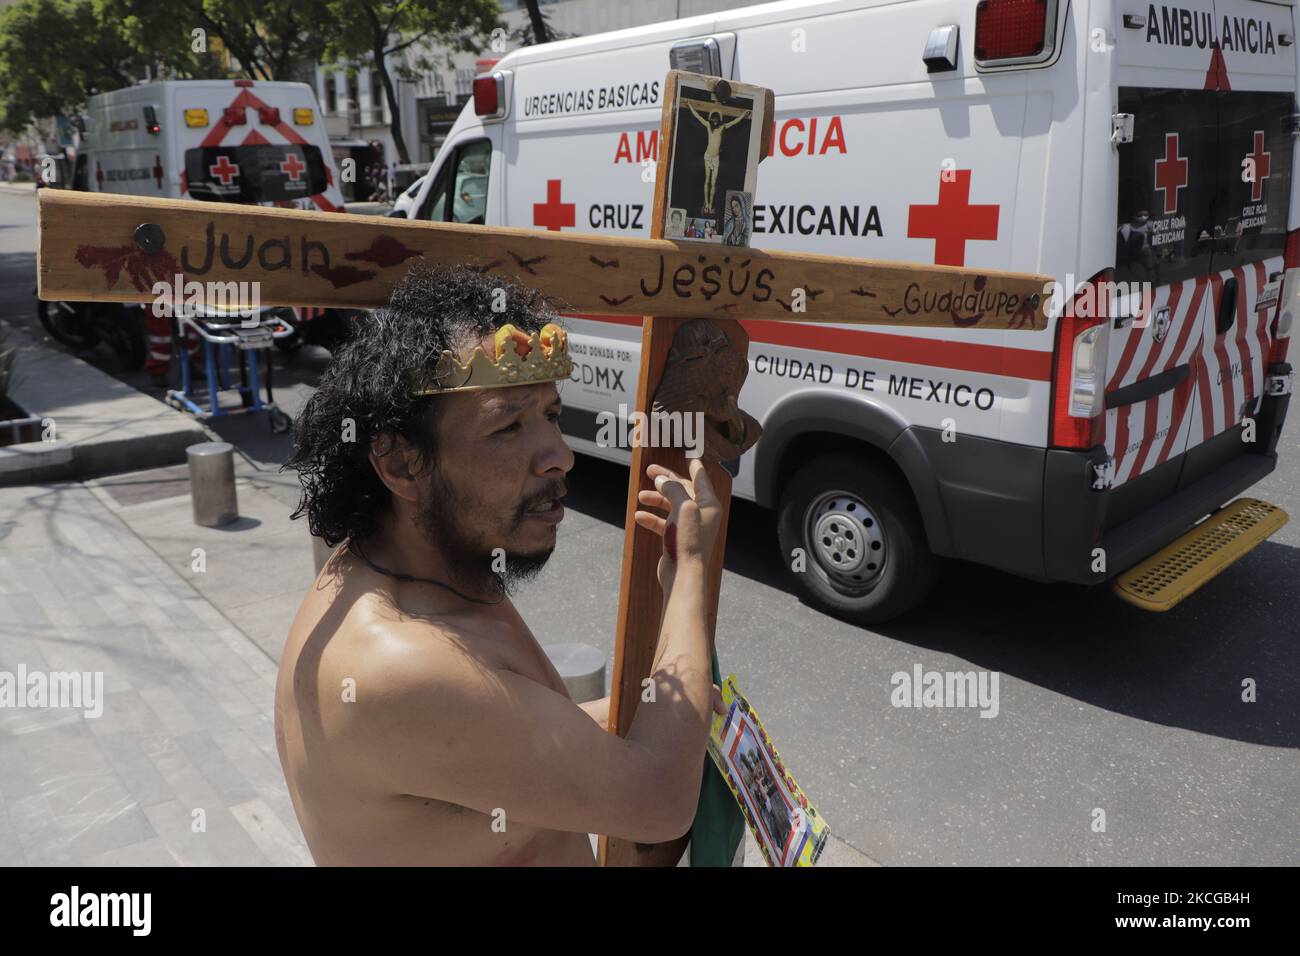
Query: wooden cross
{"points": [[100, 247]]}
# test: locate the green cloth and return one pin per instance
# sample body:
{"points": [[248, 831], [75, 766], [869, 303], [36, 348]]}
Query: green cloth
{"points": [[719, 825]]}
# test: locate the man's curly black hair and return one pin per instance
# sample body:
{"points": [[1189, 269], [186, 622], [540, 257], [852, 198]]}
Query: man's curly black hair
{"points": [[370, 382]]}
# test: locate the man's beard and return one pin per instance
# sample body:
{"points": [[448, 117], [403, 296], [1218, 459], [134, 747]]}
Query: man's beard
{"points": [[472, 565]]}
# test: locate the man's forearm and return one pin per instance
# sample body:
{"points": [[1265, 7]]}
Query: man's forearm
{"points": [[659, 643], [675, 726]]}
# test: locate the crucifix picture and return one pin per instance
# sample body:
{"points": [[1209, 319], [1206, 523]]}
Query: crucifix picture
{"points": [[717, 131]]}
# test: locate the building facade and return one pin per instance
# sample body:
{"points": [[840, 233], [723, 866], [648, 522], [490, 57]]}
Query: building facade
{"points": [[356, 110]]}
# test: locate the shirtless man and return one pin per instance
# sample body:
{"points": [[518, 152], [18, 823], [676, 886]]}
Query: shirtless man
{"points": [[714, 127], [418, 720]]}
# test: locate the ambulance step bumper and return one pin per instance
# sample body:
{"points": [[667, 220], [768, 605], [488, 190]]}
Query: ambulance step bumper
{"points": [[1177, 570]]}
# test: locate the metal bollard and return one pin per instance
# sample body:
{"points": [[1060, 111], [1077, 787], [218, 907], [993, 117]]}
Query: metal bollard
{"points": [[212, 483], [582, 667]]}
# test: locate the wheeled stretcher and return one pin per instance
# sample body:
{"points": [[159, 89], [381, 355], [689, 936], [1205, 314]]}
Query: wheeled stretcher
{"points": [[225, 339]]}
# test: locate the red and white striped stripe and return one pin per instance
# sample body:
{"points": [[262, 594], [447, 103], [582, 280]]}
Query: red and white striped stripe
{"points": [[247, 99], [1222, 394], [1210, 400], [1141, 435]]}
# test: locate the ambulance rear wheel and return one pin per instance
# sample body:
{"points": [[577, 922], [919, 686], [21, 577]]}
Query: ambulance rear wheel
{"points": [[861, 544]]}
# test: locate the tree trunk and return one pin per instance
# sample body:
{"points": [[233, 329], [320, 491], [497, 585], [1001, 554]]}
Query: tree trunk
{"points": [[539, 25], [390, 94]]}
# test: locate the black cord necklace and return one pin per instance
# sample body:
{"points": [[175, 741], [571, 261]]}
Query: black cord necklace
{"points": [[352, 546]]}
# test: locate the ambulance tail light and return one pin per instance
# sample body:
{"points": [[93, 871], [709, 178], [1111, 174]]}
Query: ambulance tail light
{"points": [[1009, 32], [1288, 302], [151, 121], [489, 95], [1079, 366]]}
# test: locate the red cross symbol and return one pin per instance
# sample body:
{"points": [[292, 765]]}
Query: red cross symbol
{"points": [[292, 166], [953, 221], [224, 170], [158, 170], [1263, 163], [553, 214], [1171, 173]]}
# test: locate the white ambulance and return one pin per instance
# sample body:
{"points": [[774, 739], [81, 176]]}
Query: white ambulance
{"points": [[210, 140], [215, 140], [1114, 141]]}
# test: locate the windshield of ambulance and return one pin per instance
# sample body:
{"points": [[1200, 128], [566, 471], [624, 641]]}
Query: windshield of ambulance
{"points": [[254, 173]]}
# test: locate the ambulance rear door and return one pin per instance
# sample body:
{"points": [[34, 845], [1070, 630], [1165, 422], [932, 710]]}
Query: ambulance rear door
{"points": [[1183, 365], [1256, 103], [242, 141]]}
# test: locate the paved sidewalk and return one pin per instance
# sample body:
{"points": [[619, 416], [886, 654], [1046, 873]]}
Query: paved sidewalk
{"points": [[187, 715], [104, 576]]}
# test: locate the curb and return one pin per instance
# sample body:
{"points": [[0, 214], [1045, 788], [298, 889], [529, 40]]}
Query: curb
{"points": [[103, 426], [18, 188], [40, 462]]}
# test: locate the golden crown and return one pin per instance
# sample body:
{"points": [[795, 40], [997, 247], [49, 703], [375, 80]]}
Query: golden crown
{"points": [[520, 359]]}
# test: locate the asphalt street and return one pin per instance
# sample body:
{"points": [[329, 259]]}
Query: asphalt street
{"points": [[1106, 713]]}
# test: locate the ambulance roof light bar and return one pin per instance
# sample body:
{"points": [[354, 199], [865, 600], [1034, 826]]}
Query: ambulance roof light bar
{"points": [[1014, 32], [697, 56]]}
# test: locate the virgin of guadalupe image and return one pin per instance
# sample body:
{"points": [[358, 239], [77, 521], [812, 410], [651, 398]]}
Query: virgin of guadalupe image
{"points": [[735, 228]]}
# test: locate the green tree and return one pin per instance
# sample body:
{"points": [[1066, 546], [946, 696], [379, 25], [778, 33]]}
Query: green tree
{"points": [[271, 39], [54, 54], [373, 30]]}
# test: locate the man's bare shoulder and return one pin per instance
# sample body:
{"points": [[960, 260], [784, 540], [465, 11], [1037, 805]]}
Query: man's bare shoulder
{"points": [[444, 689], [393, 654], [353, 624]]}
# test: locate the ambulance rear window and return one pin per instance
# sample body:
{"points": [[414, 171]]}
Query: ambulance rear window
{"points": [[254, 173], [1205, 184], [1255, 146], [1167, 184]]}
